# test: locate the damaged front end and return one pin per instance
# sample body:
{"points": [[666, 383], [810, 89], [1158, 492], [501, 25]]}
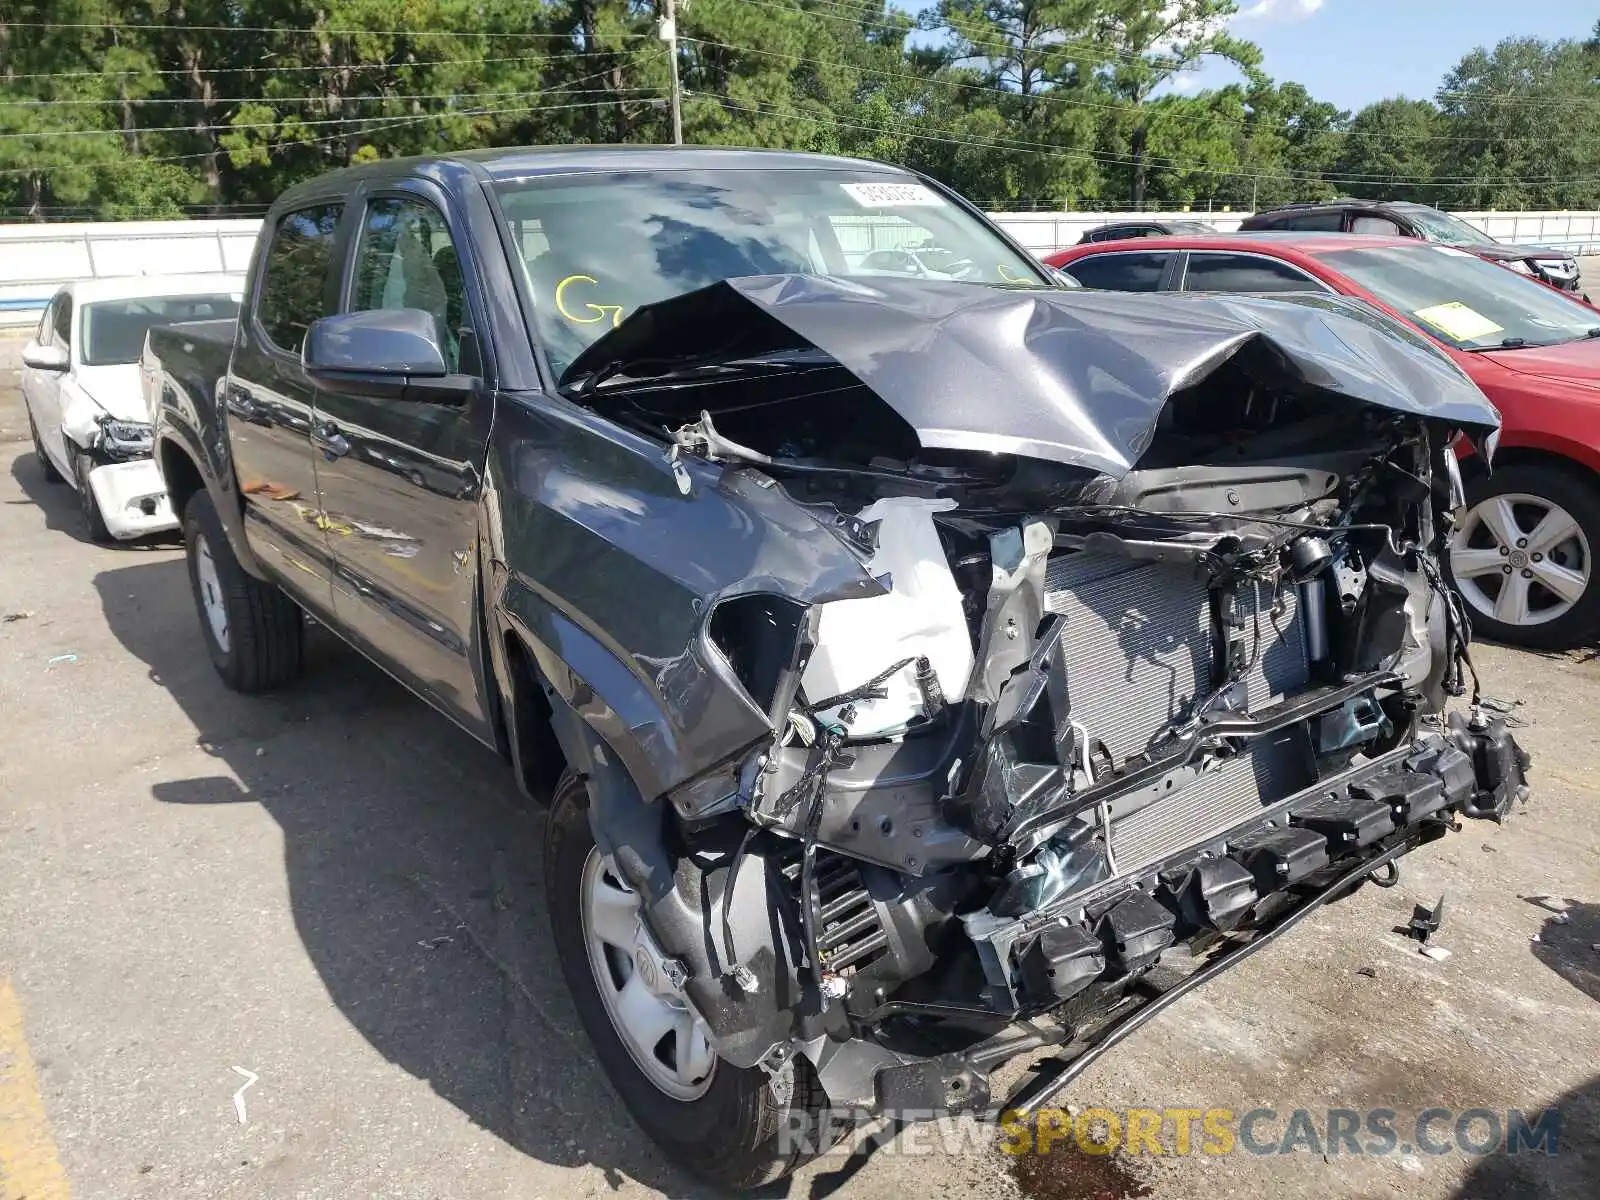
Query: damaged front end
{"points": [[1158, 660]]}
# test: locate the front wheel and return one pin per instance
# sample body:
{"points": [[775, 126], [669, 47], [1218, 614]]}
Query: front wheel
{"points": [[94, 521], [736, 1127], [252, 630], [1523, 556]]}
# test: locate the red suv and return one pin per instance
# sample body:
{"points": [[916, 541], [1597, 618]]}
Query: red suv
{"points": [[1523, 555]]}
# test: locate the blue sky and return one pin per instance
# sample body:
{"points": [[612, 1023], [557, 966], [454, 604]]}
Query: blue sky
{"points": [[1352, 52]]}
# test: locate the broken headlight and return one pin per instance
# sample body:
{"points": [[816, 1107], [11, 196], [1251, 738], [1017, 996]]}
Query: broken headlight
{"points": [[125, 439]]}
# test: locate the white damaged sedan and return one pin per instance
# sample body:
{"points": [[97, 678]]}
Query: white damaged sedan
{"points": [[86, 411]]}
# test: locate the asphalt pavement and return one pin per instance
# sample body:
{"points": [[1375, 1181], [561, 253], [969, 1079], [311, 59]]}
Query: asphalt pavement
{"points": [[336, 893]]}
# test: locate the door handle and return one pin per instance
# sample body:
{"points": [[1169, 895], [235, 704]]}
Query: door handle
{"points": [[326, 437]]}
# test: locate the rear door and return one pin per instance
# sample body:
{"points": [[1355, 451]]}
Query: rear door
{"points": [[1226, 271], [1124, 270], [401, 478], [269, 399], [1314, 222]]}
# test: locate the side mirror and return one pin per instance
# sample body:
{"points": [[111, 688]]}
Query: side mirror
{"points": [[393, 342], [44, 358], [1063, 279], [384, 352]]}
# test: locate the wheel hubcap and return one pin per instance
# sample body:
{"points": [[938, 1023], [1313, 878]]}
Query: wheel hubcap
{"points": [[1521, 559], [211, 604], [641, 988]]}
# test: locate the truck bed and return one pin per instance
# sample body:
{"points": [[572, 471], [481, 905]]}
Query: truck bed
{"points": [[187, 358]]}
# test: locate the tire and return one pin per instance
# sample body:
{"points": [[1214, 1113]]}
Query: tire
{"points": [[256, 637], [731, 1134], [94, 521], [46, 467], [1501, 563]]}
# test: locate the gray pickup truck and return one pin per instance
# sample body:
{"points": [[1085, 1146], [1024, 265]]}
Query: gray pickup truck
{"points": [[922, 667]]}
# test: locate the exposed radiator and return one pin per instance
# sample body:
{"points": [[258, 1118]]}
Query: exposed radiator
{"points": [[1138, 652]]}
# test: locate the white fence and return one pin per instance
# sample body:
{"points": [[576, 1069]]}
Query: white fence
{"points": [[36, 259]]}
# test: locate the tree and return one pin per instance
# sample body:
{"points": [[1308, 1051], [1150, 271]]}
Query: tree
{"points": [[1389, 150], [1148, 43], [1030, 71], [1524, 119], [63, 151]]}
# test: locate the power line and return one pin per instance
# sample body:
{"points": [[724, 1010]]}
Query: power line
{"points": [[278, 70], [321, 98], [1095, 52], [326, 31], [1152, 160], [235, 127], [389, 123], [1098, 156], [1047, 97]]}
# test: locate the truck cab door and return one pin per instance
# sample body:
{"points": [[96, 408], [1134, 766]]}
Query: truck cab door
{"points": [[401, 477], [269, 399]]}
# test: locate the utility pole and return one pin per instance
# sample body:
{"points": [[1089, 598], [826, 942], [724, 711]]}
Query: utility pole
{"points": [[669, 35]]}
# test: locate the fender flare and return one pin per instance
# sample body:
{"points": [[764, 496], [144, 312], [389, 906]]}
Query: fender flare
{"points": [[175, 437]]}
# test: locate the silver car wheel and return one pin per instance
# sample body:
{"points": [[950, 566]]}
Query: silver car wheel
{"points": [[642, 989], [211, 601], [1520, 559]]}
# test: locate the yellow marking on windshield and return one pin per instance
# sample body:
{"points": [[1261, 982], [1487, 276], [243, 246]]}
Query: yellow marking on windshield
{"points": [[1458, 321], [1006, 274], [600, 309]]}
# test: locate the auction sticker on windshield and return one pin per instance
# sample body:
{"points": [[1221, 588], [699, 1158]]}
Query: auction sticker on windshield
{"points": [[1457, 320], [893, 195]]}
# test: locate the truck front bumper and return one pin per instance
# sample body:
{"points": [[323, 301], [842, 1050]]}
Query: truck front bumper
{"points": [[132, 498]]}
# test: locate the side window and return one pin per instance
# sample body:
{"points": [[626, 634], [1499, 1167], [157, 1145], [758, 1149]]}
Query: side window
{"points": [[1209, 272], [1325, 222], [300, 261], [405, 259], [61, 320], [1138, 272], [1380, 225]]}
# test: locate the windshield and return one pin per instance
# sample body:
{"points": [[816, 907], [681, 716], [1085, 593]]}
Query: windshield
{"points": [[1464, 301], [1450, 231], [596, 248], [113, 330]]}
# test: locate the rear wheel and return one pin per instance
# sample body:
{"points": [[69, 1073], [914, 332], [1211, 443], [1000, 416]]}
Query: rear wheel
{"points": [[730, 1125], [94, 521], [1523, 556], [252, 630], [46, 467]]}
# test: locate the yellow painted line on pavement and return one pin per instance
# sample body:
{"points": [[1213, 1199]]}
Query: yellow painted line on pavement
{"points": [[29, 1166]]}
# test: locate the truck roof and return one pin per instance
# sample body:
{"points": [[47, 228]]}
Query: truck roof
{"points": [[523, 162]]}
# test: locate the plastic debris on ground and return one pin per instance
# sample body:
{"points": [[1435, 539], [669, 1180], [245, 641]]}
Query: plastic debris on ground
{"points": [[1425, 921], [250, 1078]]}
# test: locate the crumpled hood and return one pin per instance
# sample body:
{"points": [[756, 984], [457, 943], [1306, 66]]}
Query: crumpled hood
{"points": [[1507, 252], [115, 389], [1076, 377]]}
